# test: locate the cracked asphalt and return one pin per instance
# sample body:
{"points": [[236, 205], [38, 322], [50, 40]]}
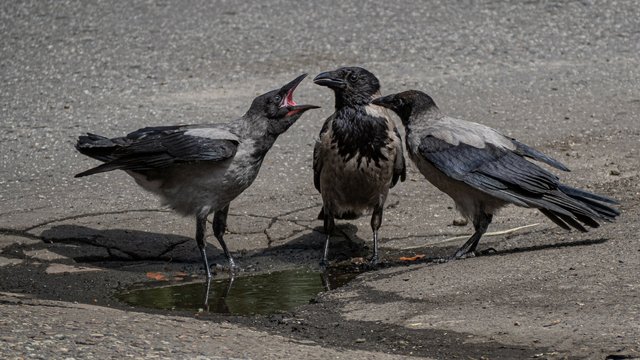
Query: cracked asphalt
{"points": [[560, 76]]}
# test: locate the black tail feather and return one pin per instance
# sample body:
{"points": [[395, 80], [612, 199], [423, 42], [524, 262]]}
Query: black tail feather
{"points": [[98, 169], [582, 194], [532, 153], [594, 201], [555, 219], [585, 207], [571, 221], [97, 147]]}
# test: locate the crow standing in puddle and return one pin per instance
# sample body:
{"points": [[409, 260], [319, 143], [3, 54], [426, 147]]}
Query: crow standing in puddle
{"points": [[358, 156], [200, 169], [483, 170]]}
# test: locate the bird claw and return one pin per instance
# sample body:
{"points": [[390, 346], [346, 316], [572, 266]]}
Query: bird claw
{"points": [[462, 254], [207, 273], [234, 269], [488, 251], [374, 260]]}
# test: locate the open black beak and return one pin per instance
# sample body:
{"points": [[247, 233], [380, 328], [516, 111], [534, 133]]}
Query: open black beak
{"points": [[287, 98], [330, 80], [292, 85]]}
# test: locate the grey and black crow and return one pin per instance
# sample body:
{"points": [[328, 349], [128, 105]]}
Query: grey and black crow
{"points": [[358, 156], [483, 170], [200, 169]]}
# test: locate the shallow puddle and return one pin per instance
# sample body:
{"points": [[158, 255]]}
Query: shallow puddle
{"points": [[244, 295]]}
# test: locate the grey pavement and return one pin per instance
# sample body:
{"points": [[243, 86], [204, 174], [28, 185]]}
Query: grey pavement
{"points": [[561, 76]]}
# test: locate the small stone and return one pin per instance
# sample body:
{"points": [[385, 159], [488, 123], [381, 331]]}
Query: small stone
{"points": [[460, 222], [516, 323], [360, 340], [44, 254], [62, 268], [614, 172]]}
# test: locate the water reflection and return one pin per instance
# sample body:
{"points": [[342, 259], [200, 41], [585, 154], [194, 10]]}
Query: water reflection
{"points": [[257, 294]]}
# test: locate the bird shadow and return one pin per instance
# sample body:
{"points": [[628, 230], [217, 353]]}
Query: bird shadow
{"points": [[85, 244], [344, 244], [111, 247], [516, 250], [443, 254]]}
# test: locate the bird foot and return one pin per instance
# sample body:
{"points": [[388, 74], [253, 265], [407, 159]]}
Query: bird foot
{"points": [[374, 261], [463, 254], [233, 268], [488, 251]]}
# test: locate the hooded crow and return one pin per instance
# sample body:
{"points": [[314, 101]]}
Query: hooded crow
{"points": [[200, 169], [483, 170], [358, 156]]}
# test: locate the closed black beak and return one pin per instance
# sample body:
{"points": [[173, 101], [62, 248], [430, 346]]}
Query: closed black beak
{"points": [[329, 79], [384, 101]]}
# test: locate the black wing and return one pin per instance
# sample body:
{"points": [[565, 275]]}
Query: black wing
{"points": [[491, 169], [154, 148], [317, 160], [507, 175], [524, 150], [399, 165]]}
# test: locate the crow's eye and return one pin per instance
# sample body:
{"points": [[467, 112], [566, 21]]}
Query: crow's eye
{"points": [[278, 98], [353, 77]]}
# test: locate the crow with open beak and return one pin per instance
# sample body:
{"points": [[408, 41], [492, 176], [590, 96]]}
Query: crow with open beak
{"points": [[358, 156], [200, 169], [483, 170]]}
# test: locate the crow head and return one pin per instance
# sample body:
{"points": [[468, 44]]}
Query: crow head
{"points": [[278, 107], [352, 85], [406, 103]]}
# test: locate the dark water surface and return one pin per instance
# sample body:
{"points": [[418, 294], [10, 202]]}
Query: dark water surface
{"points": [[244, 295]]}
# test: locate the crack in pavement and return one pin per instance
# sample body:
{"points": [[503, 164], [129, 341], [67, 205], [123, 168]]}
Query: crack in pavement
{"points": [[172, 247], [18, 211], [80, 216], [136, 257], [91, 241], [276, 218], [272, 221]]}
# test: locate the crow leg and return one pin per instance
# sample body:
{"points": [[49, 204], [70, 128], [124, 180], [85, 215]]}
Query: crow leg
{"points": [[376, 221], [207, 288], [219, 227], [480, 224], [201, 227], [329, 225]]}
